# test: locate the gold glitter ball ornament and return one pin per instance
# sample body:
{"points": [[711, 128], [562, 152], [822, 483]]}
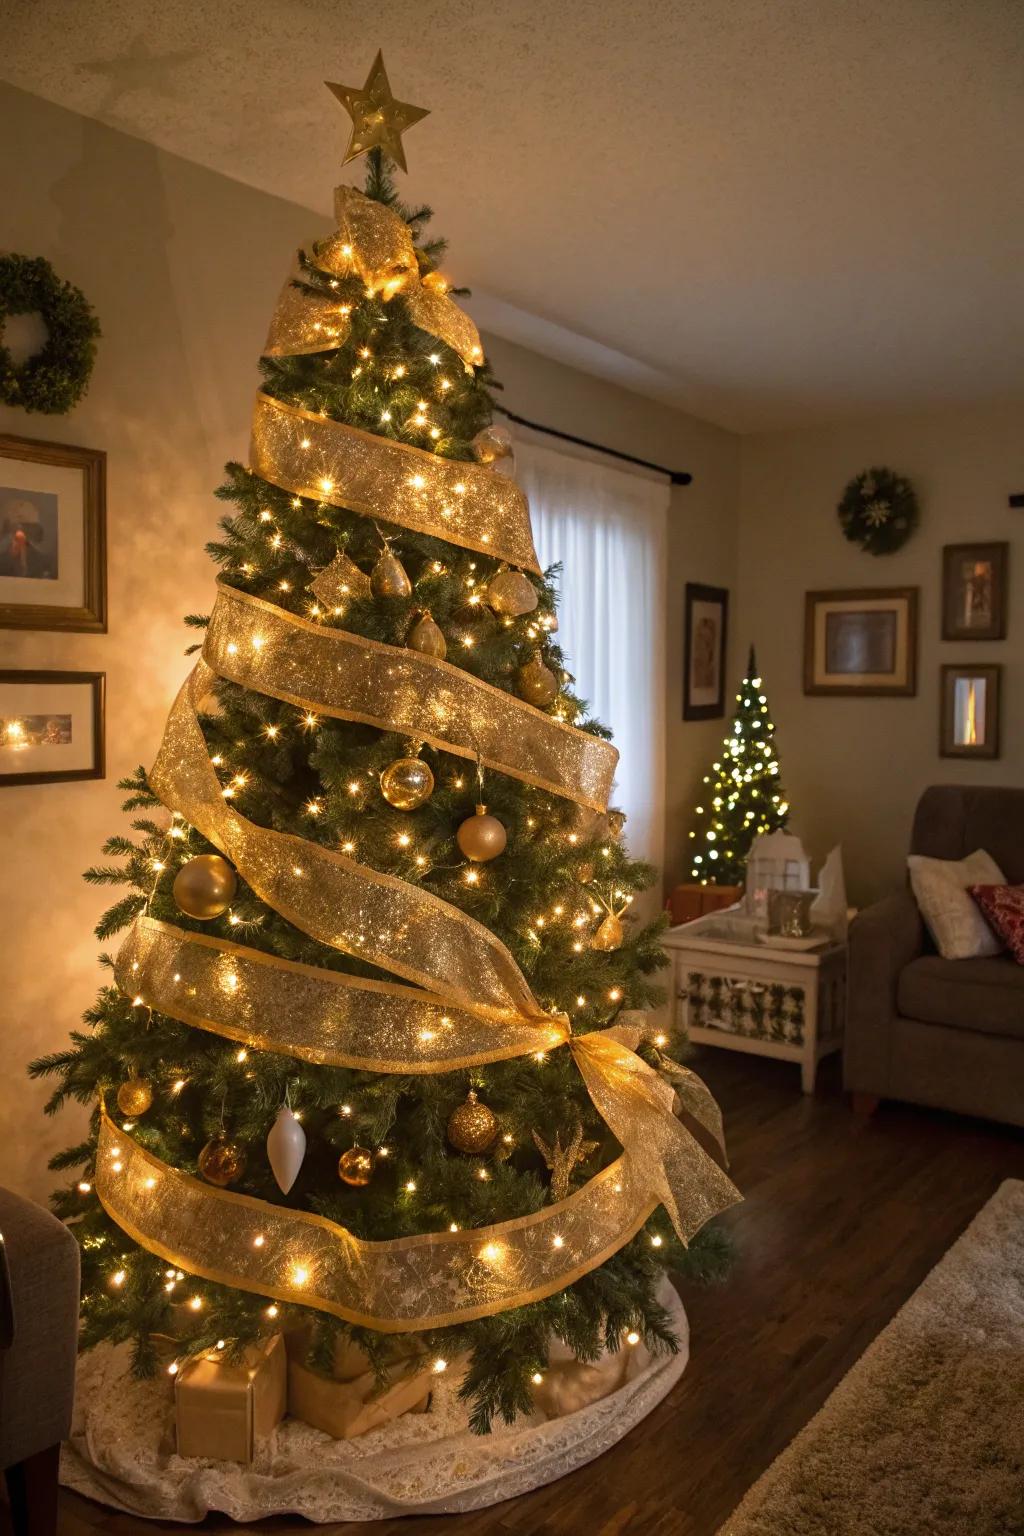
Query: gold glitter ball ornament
{"points": [[536, 683], [407, 783], [205, 887], [585, 872], [426, 637], [355, 1167], [134, 1097], [492, 443], [222, 1160], [389, 578], [511, 592], [608, 935], [472, 1127], [481, 837]]}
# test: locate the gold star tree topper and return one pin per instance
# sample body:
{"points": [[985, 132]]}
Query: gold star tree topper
{"points": [[378, 120]]}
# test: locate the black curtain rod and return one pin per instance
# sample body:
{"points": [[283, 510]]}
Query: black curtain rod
{"points": [[676, 476]]}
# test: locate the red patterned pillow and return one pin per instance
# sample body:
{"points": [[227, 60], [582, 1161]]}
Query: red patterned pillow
{"points": [[1003, 910]]}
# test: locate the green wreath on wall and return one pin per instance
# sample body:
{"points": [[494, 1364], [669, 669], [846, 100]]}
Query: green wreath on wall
{"points": [[56, 377], [878, 511]]}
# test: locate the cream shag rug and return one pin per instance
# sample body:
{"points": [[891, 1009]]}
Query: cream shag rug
{"points": [[925, 1435]]}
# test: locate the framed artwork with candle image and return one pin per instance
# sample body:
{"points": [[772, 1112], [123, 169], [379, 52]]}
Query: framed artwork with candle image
{"points": [[969, 710], [53, 561], [51, 727]]}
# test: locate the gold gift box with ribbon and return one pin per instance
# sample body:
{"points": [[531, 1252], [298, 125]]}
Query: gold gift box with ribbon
{"points": [[224, 1408], [352, 1401]]}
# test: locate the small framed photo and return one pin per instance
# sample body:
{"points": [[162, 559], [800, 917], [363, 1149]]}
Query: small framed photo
{"points": [[51, 727], [53, 517], [969, 712], [974, 591], [706, 625], [861, 643]]}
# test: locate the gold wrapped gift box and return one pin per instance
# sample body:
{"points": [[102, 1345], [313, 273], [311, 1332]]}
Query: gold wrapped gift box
{"points": [[351, 1402], [224, 1409]]}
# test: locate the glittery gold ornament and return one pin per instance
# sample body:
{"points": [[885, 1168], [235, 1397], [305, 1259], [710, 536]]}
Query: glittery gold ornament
{"points": [[205, 887], [492, 443], [378, 120], [222, 1160], [472, 1127], [407, 783], [608, 935], [562, 1160], [511, 592], [426, 637], [355, 1167], [536, 683], [389, 578], [134, 1097], [585, 872], [616, 821], [481, 837]]}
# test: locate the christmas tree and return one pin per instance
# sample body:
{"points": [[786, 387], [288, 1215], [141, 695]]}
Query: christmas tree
{"points": [[355, 1064], [743, 794]]}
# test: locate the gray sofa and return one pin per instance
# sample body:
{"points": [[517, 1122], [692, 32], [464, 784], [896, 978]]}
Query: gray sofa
{"points": [[948, 1033], [38, 1342]]}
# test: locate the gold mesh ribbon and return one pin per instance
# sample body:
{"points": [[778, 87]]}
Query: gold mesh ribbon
{"points": [[333, 672], [304, 321], [326, 460]]}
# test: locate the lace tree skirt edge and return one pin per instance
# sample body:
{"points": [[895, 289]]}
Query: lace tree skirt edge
{"points": [[121, 1450]]}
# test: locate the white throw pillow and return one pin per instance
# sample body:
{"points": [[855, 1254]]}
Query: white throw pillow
{"points": [[950, 913]]}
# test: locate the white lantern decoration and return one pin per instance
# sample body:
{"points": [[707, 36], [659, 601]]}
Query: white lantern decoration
{"points": [[777, 862], [286, 1147]]}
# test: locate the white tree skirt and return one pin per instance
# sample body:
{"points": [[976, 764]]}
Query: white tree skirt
{"points": [[122, 1452]]}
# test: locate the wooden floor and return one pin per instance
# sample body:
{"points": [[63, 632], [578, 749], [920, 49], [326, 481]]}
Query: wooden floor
{"points": [[843, 1218]]}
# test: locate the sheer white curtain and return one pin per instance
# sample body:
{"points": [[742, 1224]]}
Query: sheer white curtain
{"points": [[607, 528]]}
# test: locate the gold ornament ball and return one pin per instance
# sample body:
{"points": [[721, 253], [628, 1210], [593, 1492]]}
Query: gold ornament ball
{"points": [[511, 592], [481, 837], [221, 1161], [492, 443], [355, 1167], [616, 822], [536, 683], [134, 1097], [585, 872], [609, 935], [472, 1127], [407, 783], [205, 887], [389, 577], [426, 637]]}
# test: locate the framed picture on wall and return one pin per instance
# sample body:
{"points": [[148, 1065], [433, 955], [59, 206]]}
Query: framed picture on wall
{"points": [[969, 710], [705, 633], [861, 642], [51, 727], [53, 517], [974, 591]]}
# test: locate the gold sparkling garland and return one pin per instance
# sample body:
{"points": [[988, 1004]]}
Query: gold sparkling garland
{"points": [[334, 672], [448, 499]]}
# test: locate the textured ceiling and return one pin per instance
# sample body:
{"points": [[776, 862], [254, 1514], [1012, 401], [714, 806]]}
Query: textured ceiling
{"points": [[768, 212]]}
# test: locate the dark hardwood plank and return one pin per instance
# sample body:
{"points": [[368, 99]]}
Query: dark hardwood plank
{"points": [[844, 1216]]}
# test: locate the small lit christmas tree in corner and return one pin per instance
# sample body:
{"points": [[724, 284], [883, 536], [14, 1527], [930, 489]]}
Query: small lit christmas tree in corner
{"points": [[743, 794]]}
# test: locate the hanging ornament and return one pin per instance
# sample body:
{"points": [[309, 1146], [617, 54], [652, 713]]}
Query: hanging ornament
{"points": [[427, 638], [286, 1147], [389, 578], [481, 837], [407, 783], [562, 1160], [134, 1097], [536, 683], [616, 821], [608, 935], [585, 872], [472, 1127], [205, 887], [355, 1166], [511, 592], [492, 443], [222, 1160]]}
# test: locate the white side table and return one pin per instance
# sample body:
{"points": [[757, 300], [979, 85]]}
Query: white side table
{"points": [[746, 996]]}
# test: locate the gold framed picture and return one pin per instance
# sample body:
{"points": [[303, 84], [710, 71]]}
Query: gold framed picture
{"points": [[974, 578], [861, 642], [52, 727], [969, 710], [53, 524]]}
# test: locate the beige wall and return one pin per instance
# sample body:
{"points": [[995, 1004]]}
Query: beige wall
{"points": [[855, 768], [183, 268]]}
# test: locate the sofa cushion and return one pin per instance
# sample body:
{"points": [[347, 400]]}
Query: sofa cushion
{"points": [[1003, 907], [951, 916], [982, 995], [953, 819]]}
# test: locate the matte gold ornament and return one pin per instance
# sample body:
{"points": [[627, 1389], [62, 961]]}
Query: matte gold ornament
{"points": [[562, 1160], [492, 443], [389, 578], [222, 1160], [536, 683], [378, 120], [355, 1167], [511, 592], [608, 935], [426, 637], [134, 1097], [205, 887], [407, 783], [481, 837], [472, 1127]]}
